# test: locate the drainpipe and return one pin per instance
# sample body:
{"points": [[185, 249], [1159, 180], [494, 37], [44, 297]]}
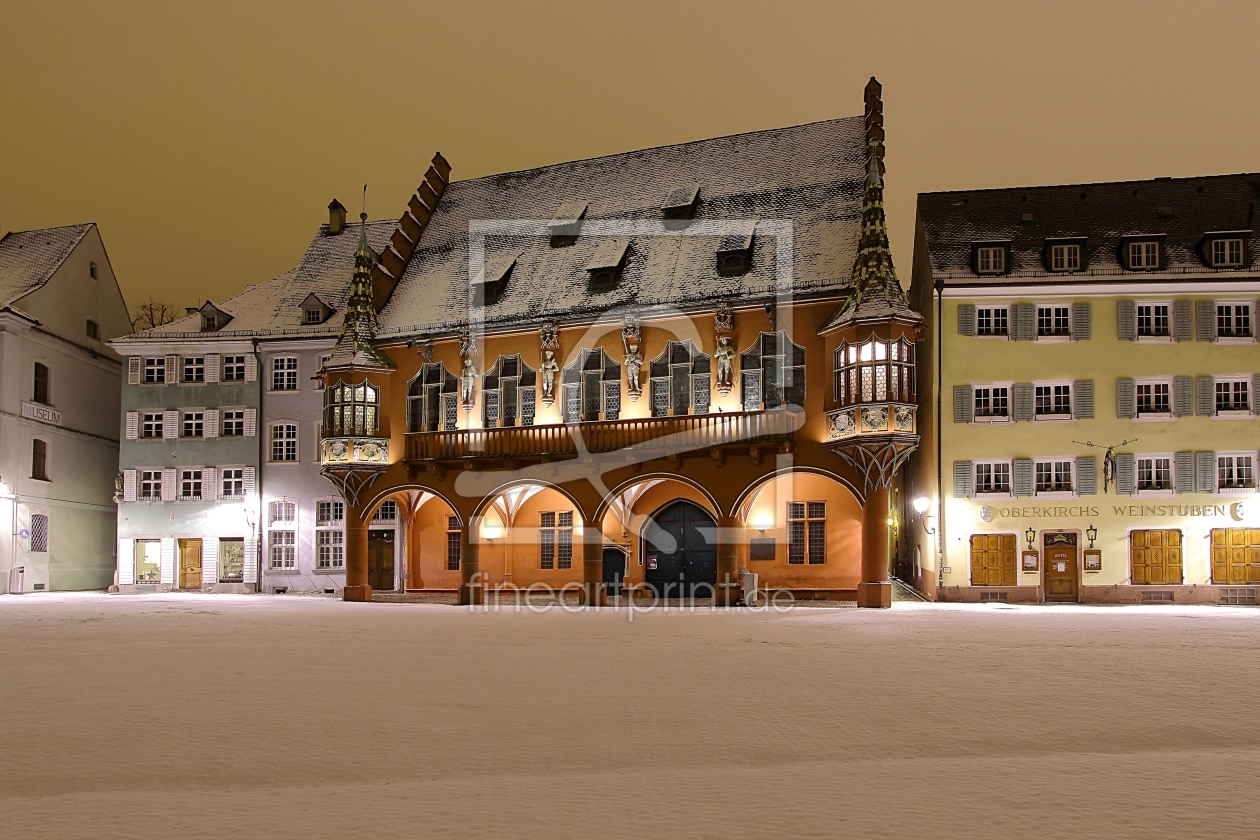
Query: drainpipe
{"points": [[259, 433], [940, 487]]}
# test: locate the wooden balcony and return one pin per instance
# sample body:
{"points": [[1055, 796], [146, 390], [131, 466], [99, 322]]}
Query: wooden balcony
{"points": [[654, 436]]}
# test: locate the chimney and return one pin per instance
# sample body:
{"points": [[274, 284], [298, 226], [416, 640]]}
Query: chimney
{"points": [[336, 218], [874, 118]]}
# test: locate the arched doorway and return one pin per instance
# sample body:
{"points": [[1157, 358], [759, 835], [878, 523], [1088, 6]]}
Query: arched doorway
{"points": [[680, 551]]}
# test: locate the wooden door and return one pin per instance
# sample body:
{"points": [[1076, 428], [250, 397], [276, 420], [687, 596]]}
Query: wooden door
{"points": [[381, 560], [190, 564], [993, 559], [1062, 573], [614, 569], [1155, 557], [1235, 556]]}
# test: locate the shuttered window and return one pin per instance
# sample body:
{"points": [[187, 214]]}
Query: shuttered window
{"points": [[993, 559], [1235, 471], [993, 320], [1233, 319], [1083, 399], [992, 478], [1082, 326], [1235, 556], [1086, 476], [1232, 394], [1155, 557]]}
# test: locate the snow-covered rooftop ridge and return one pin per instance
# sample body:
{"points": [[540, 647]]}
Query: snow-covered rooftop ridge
{"points": [[28, 258]]}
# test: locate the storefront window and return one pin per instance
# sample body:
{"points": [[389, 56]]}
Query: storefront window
{"points": [[148, 561]]}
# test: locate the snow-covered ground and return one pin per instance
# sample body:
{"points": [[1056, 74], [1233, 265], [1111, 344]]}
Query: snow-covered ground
{"points": [[190, 716]]}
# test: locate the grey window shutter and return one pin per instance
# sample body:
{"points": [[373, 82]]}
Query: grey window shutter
{"points": [[1185, 472], [1126, 402], [966, 319], [1025, 317], [1183, 402], [129, 485], [1255, 393], [1125, 479], [1087, 475], [170, 424], [1181, 321], [1022, 476], [1082, 329], [173, 373], [133, 370], [962, 404], [1023, 399], [1083, 395], [962, 480], [1126, 320], [1204, 320], [1205, 472], [1204, 396]]}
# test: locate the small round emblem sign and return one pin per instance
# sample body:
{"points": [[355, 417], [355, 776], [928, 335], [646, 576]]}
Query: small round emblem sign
{"points": [[986, 514]]}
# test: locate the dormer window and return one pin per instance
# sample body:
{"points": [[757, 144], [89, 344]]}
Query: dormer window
{"points": [[734, 256], [1227, 253], [990, 258], [489, 286], [1142, 256], [212, 318], [605, 265], [314, 310], [566, 224], [679, 207], [1065, 257]]}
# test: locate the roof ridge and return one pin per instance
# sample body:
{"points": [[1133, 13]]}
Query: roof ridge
{"points": [[1078, 185], [654, 149]]}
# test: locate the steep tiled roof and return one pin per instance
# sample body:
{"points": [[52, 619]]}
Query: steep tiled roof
{"points": [[1180, 209], [29, 258], [811, 175]]}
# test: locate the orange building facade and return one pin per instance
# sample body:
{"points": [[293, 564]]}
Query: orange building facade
{"points": [[744, 411]]}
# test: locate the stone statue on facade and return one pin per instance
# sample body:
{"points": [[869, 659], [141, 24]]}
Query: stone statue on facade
{"points": [[631, 339], [548, 367], [468, 371], [724, 324]]}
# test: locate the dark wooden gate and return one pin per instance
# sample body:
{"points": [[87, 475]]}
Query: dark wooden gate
{"points": [[381, 560], [680, 551]]}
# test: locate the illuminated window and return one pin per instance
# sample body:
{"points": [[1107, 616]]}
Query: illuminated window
{"points": [[807, 532], [555, 540], [350, 409]]}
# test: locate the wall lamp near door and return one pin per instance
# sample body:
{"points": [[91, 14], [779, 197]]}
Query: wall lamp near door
{"points": [[1091, 533], [1031, 536]]}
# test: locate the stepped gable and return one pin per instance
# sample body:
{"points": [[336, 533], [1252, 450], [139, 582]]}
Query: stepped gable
{"points": [[811, 175], [1183, 209]]}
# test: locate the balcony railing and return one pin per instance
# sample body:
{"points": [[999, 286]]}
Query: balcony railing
{"points": [[872, 419], [667, 435]]}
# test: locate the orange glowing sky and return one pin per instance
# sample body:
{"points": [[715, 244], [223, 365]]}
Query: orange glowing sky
{"points": [[207, 139]]}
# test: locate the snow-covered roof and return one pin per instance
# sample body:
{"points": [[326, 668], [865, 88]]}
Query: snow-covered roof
{"points": [[1100, 216], [29, 258]]}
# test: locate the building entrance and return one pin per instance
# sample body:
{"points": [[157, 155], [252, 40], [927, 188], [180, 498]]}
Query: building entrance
{"points": [[614, 562], [680, 551], [1062, 574], [190, 564], [1235, 556], [381, 559]]}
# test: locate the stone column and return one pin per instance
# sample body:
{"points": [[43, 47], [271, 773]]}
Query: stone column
{"points": [[356, 588], [875, 590], [594, 593], [472, 589], [728, 589]]}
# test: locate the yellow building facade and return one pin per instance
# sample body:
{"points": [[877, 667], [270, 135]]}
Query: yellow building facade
{"points": [[1088, 386]]}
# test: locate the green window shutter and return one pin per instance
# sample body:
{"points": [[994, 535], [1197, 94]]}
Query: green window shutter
{"points": [[1185, 472], [1022, 476], [1087, 476], [1083, 396], [1126, 320], [1183, 403], [967, 319], [1081, 327], [1181, 321], [1024, 316], [1204, 320], [962, 480], [1205, 472], [962, 404], [1126, 400], [1022, 398], [1125, 478], [1205, 396]]}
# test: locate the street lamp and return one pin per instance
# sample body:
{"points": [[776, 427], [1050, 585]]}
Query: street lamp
{"points": [[1031, 536], [1092, 534]]}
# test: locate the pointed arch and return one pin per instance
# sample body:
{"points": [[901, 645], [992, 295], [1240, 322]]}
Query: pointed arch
{"points": [[488, 501], [432, 399], [681, 380], [617, 492], [772, 373], [591, 387], [508, 393]]}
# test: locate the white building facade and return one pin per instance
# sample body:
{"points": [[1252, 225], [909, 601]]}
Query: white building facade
{"points": [[59, 394]]}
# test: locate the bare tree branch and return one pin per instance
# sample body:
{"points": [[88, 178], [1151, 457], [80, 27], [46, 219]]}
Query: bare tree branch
{"points": [[152, 313]]}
